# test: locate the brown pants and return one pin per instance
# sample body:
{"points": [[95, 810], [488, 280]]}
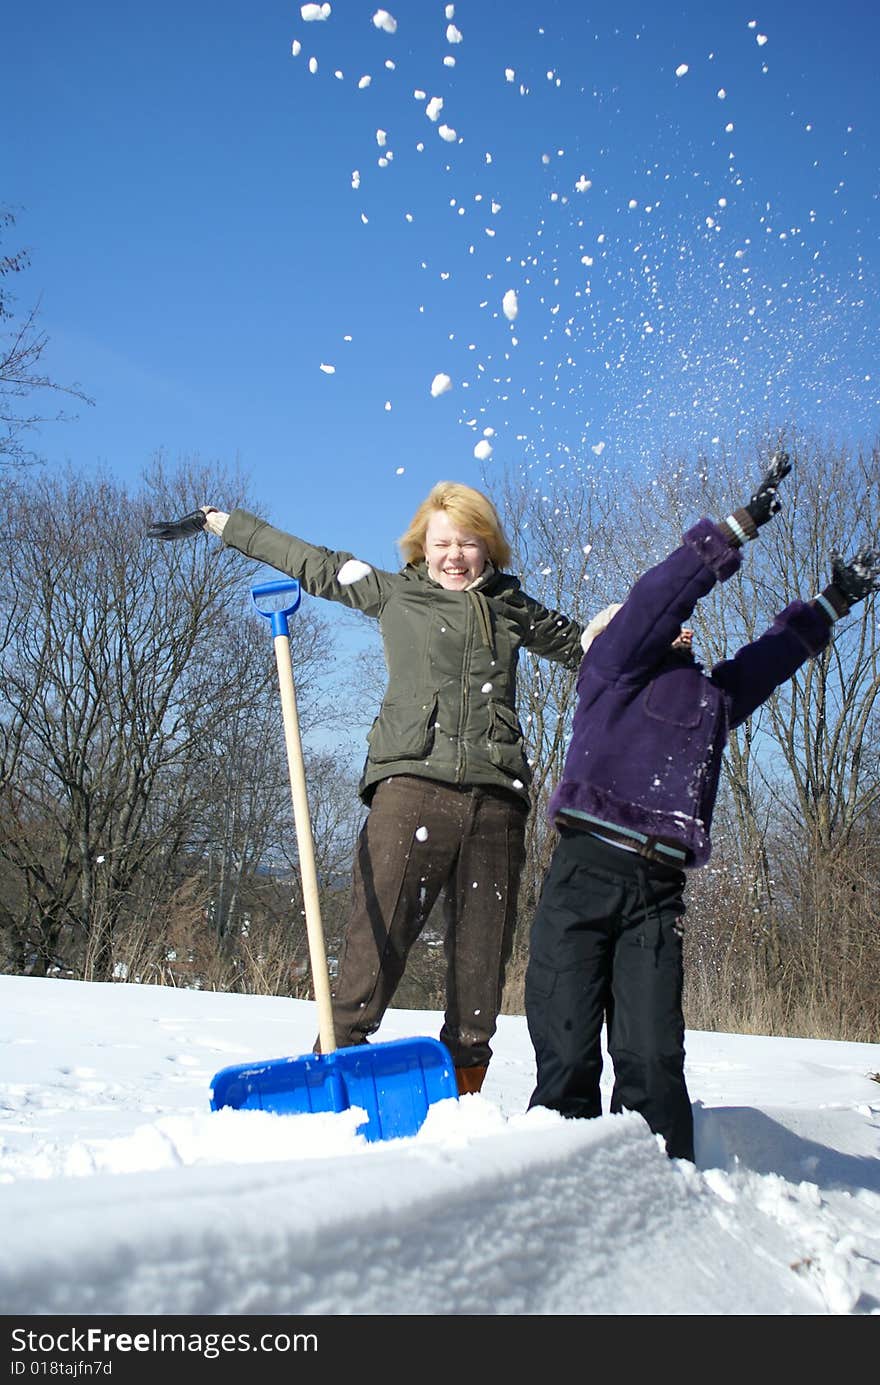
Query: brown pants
{"points": [[420, 837]]}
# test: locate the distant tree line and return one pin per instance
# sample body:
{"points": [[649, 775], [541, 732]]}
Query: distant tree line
{"points": [[145, 816], [145, 810], [782, 925]]}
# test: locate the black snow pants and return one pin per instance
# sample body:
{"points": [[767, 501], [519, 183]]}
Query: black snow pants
{"points": [[606, 946]]}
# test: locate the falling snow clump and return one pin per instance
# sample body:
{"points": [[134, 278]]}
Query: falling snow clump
{"points": [[352, 570], [383, 20], [510, 305], [440, 385]]}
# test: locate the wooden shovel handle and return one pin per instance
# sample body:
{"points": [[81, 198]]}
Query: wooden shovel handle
{"points": [[305, 844]]}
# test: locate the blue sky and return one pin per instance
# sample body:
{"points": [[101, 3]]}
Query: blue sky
{"points": [[694, 253]]}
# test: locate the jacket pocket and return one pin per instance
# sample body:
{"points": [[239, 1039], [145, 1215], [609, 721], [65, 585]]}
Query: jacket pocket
{"points": [[676, 700], [506, 746], [403, 730]]}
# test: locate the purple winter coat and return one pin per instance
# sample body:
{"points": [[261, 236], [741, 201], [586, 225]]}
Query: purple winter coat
{"points": [[650, 727]]}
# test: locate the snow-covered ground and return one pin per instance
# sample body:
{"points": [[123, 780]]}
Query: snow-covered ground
{"points": [[121, 1192]]}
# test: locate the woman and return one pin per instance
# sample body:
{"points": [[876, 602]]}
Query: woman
{"points": [[445, 778]]}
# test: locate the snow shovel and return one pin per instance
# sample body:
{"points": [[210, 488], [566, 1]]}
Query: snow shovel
{"points": [[394, 1083]]}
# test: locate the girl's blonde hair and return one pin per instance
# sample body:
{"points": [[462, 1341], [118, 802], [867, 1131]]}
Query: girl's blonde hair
{"points": [[469, 510]]}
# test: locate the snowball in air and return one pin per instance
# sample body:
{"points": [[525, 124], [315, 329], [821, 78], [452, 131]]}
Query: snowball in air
{"points": [[383, 20], [421, 834], [509, 305], [453, 35], [328, 369], [364, 81], [681, 69], [483, 450], [446, 132], [440, 384], [310, 12], [434, 107], [353, 570]]}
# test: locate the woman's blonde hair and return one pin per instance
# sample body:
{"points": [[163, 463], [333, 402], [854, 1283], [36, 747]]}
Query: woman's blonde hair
{"points": [[468, 510]]}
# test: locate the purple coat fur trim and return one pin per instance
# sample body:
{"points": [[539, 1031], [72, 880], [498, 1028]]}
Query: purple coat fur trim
{"points": [[650, 728]]}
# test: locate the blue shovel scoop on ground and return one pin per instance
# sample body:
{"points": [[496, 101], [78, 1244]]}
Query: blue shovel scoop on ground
{"points": [[394, 1083]]}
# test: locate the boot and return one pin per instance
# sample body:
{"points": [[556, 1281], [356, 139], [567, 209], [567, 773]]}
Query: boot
{"points": [[470, 1080]]}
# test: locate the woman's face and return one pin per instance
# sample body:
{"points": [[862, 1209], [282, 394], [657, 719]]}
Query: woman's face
{"points": [[455, 558]]}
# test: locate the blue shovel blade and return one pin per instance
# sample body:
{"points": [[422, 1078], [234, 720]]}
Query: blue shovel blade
{"points": [[393, 1082]]}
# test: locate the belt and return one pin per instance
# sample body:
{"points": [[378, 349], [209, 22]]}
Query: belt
{"points": [[658, 849]]}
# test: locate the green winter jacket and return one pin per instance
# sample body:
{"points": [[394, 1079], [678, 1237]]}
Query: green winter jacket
{"points": [[449, 711]]}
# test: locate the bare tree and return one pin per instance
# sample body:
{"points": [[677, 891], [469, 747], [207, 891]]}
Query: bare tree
{"points": [[781, 925], [560, 525], [130, 687], [22, 347], [800, 777]]}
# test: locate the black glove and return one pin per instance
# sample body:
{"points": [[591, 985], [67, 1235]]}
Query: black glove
{"points": [[852, 581], [765, 502], [178, 528], [744, 524]]}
